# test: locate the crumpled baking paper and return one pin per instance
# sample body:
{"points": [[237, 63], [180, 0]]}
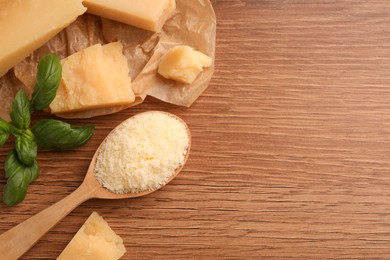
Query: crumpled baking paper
{"points": [[193, 24]]}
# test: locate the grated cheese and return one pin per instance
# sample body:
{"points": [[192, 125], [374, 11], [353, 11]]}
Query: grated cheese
{"points": [[142, 153]]}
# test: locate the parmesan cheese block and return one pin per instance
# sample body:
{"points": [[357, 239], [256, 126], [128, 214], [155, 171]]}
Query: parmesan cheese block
{"points": [[25, 25], [94, 241], [95, 77], [145, 14], [183, 64]]}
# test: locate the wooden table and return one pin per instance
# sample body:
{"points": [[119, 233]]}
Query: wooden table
{"points": [[291, 146]]}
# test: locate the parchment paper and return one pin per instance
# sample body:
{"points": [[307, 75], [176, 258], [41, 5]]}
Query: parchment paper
{"points": [[193, 24]]}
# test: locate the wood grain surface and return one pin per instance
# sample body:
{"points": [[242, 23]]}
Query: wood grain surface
{"points": [[290, 146]]}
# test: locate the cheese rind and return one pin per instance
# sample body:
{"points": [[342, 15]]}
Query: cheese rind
{"points": [[183, 64], [93, 78], [95, 240], [145, 14], [25, 25]]}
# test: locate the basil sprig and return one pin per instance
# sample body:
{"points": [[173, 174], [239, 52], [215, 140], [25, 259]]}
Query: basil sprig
{"points": [[21, 166], [57, 135]]}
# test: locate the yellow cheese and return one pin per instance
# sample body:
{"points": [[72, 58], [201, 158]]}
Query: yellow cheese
{"points": [[93, 78], [183, 64], [25, 25], [94, 241], [145, 14]]}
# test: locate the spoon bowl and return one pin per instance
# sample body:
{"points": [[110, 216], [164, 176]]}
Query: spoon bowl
{"points": [[91, 183], [18, 240]]}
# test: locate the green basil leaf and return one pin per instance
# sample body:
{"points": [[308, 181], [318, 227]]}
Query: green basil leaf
{"points": [[14, 194], [14, 166], [57, 135], [3, 138], [4, 131], [5, 127], [18, 177], [26, 148], [48, 80], [20, 113]]}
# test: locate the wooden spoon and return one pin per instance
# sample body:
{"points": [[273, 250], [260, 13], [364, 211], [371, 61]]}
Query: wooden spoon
{"points": [[18, 240]]}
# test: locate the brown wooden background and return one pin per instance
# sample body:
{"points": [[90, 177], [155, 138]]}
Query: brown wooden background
{"points": [[291, 146]]}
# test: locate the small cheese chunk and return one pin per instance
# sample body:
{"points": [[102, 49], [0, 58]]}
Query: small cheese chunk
{"points": [[95, 77], [95, 240], [145, 14], [183, 64], [25, 25]]}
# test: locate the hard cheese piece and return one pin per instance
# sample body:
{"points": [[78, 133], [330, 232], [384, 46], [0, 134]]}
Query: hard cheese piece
{"points": [[183, 64], [95, 240], [25, 25], [145, 14], [93, 78]]}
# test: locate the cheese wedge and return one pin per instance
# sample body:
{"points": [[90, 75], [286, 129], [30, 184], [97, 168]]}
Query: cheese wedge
{"points": [[145, 14], [95, 240], [183, 64], [95, 77], [25, 25]]}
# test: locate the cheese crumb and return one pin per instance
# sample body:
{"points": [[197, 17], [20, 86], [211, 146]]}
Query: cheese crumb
{"points": [[142, 153], [183, 64]]}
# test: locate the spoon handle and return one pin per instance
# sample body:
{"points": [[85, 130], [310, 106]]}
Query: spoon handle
{"points": [[18, 240]]}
